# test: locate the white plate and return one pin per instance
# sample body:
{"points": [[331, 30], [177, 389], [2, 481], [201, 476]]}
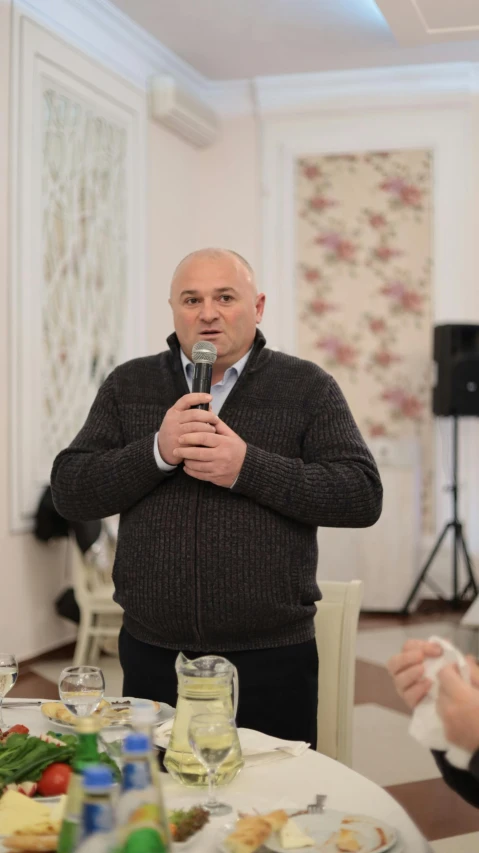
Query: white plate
{"points": [[320, 827], [164, 713]]}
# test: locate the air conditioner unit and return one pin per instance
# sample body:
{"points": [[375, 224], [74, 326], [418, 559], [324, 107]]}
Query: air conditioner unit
{"points": [[182, 112]]}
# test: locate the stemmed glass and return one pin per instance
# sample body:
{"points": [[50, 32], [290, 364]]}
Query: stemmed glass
{"points": [[81, 689], [8, 677], [211, 737]]}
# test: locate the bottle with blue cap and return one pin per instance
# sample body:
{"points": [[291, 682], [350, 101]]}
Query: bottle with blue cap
{"points": [[86, 755], [98, 815], [142, 825]]}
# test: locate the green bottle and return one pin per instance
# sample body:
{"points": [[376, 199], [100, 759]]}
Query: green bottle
{"points": [[86, 755], [141, 822]]}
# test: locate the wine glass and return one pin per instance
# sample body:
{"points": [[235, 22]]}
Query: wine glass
{"points": [[81, 689], [8, 677], [211, 737]]}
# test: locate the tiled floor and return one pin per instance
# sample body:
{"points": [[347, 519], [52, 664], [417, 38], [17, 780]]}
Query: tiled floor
{"points": [[383, 750], [459, 844]]}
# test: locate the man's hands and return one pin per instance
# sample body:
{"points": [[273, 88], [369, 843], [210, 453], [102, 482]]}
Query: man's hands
{"points": [[209, 449], [180, 420], [215, 456]]}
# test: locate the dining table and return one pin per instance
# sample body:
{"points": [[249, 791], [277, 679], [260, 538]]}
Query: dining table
{"points": [[291, 782]]}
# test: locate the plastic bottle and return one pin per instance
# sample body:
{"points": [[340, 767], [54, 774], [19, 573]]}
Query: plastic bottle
{"points": [[141, 820], [85, 756], [97, 824], [143, 721]]}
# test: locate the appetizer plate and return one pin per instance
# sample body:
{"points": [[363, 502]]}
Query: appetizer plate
{"points": [[372, 836], [115, 710]]}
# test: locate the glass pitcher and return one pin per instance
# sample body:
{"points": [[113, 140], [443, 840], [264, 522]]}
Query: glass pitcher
{"points": [[205, 685]]}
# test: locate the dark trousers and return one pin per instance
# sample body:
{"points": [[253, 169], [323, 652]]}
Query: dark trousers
{"points": [[278, 688]]}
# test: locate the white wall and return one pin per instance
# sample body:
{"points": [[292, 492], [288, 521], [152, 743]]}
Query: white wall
{"points": [[228, 192], [30, 574], [172, 213]]}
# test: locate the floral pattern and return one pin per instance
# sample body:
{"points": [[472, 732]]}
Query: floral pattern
{"points": [[364, 288]]}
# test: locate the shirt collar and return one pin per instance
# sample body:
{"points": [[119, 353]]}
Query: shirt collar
{"points": [[237, 368]]}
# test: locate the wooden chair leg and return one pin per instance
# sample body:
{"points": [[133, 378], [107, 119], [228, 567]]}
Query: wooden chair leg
{"points": [[94, 653], [83, 639]]}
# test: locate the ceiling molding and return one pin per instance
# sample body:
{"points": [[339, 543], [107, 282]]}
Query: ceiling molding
{"points": [[232, 98], [378, 88], [101, 30]]}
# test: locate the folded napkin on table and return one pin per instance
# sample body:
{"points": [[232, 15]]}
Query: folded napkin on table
{"points": [[426, 725], [257, 747]]}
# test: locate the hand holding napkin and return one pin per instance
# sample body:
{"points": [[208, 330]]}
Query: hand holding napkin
{"points": [[257, 748], [426, 725]]}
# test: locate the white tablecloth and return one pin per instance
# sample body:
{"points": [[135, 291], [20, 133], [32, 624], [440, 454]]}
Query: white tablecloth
{"points": [[294, 781]]}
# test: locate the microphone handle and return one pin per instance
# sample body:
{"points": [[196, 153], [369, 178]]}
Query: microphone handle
{"points": [[202, 382]]}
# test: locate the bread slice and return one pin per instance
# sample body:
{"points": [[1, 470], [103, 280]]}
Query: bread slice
{"points": [[249, 834], [31, 843]]}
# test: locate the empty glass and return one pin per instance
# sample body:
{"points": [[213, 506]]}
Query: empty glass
{"points": [[8, 677], [211, 737], [81, 689]]}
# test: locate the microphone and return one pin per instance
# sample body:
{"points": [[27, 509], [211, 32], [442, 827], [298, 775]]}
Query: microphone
{"points": [[204, 356]]}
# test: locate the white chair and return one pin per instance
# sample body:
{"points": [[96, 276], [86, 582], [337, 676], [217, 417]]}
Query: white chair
{"points": [[100, 616], [336, 630]]}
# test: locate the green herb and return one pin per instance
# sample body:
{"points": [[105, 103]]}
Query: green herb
{"points": [[24, 758], [188, 822], [72, 741]]}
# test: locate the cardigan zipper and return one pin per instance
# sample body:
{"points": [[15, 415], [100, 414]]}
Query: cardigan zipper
{"points": [[196, 573]]}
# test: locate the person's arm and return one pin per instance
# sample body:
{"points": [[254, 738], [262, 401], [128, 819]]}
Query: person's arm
{"points": [[463, 782], [98, 474], [334, 484]]}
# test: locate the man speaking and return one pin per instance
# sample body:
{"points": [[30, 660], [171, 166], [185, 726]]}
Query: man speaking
{"points": [[217, 548]]}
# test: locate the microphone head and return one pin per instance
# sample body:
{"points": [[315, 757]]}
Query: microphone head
{"points": [[204, 352]]}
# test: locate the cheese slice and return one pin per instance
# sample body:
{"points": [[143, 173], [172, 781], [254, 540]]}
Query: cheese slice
{"points": [[17, 811], [292, 837]]}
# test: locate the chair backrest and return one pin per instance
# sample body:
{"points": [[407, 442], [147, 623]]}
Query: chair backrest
{"points": [[336, 630], [88, 582]]}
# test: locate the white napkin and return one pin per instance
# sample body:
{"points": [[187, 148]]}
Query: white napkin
{"points": [[257, 748], [426, 725]]}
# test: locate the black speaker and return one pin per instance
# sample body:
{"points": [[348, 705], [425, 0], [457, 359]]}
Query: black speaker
{"points": [[456, 354]]}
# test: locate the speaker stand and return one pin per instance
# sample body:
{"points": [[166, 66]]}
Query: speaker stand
{"points": [[459, 544]]}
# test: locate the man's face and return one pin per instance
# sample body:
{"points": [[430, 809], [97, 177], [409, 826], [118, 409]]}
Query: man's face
{"points": [[214, 299]]}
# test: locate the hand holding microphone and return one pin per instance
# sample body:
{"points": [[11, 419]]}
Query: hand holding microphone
{"points": [[181, 419], [215, 456], [191, 413], [192, 434]]}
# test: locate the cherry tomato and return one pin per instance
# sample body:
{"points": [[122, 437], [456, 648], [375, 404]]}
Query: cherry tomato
{"points": [[18, 730], [54, 780]]}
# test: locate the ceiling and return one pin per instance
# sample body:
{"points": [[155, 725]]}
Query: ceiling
{"points": [[237, 39]]}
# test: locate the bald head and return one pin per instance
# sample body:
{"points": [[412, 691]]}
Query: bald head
{"points": [[244, 269], [214, 297]]}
